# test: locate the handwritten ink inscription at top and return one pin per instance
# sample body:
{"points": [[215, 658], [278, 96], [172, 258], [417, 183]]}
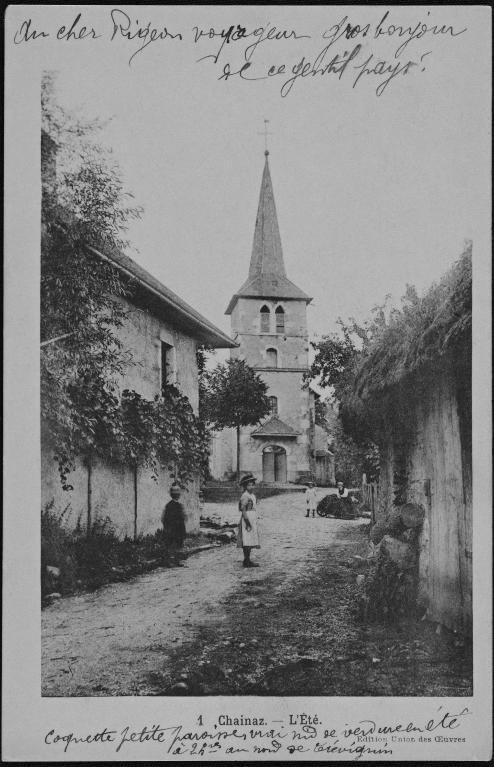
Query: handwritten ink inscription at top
{"points": [[27, 33], [351, 50], [124, 27]]}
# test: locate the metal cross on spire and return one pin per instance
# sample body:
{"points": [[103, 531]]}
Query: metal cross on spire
{"points": [[265, 133]]}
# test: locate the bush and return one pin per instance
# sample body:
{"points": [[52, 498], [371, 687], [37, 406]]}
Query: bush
{"points": [[96, 552], [55, 539], [91, 559], [56, 542]]}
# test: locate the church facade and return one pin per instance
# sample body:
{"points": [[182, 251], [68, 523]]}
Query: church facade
{"points": [[269, 323]]}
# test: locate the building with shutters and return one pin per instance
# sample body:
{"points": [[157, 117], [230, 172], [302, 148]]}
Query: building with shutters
{"points": [[269, 323]]}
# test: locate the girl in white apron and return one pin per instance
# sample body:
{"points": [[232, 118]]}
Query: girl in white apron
{"points": [[248, 533]]}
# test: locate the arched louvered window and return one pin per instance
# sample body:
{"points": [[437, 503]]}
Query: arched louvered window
{"points": [[272, 358], [265, 319], [273, 405], [280, 319]]}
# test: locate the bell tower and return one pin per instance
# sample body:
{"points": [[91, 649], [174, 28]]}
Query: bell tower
{"points": [[269, 322]]}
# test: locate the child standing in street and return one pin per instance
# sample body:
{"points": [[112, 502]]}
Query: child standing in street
{"points": [[311, 499], [248, 534], [173, 519]]}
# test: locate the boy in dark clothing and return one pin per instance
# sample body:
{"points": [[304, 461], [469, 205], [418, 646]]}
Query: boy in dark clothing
{"points": [[173, 519]]}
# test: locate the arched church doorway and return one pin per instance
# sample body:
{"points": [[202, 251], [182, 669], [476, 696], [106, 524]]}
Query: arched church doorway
{"points": [[274, 464]]}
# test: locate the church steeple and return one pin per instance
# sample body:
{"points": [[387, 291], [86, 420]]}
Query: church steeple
{"points": [[267, 254], [267, 275]]}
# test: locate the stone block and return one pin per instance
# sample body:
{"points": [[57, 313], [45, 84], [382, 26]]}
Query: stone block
{"points": [[402, 554], [412, 515], [390, 524]]}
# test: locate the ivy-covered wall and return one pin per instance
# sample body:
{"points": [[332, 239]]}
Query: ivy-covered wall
{"points": [[113, 486]]}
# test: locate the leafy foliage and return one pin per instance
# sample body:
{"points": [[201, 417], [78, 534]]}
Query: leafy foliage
{"points": [[338, 354], [83, 360], [163, 433], [365, 365], [88, 559], [82, 357], [234, 396], [352, 458], [423, 329]]}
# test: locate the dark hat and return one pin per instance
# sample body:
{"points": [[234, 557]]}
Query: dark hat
{"points": [[248, 478]]}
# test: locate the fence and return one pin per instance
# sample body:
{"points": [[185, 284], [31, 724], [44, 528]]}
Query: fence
{"points": [[370, 497]]}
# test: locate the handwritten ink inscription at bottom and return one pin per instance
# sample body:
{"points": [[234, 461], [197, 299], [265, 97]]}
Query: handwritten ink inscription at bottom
{"points": [[300, 734]]}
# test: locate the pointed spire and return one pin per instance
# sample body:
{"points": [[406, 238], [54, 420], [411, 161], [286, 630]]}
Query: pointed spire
{"points": [[267, 276], [267, 254]]}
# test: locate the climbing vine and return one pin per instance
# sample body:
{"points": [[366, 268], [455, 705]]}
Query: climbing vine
{"points": [[82, 358]]}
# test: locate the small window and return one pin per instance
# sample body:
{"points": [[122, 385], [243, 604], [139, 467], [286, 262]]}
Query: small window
{"points": [[166, 365], [280, 319], [273, 405], [272, 358], [265, 319]]}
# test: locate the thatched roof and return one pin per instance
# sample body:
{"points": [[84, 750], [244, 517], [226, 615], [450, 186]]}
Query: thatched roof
{"points": [[422, 331]]}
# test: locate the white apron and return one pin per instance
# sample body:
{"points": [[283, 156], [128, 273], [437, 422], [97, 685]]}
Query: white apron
{"points": [[248, 537]]}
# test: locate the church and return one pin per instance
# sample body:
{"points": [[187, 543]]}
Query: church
{"points": [[269, 323]]}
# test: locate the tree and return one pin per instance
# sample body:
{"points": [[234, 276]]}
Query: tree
{"points": [[82, 359], [234, 396], [352, 459], [84, 412], [337, 359]]}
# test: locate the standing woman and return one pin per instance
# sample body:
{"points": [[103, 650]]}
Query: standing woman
{"points": [[248, 534]]}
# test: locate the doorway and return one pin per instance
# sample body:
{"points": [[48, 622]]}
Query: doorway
{"points": [[274, 464]]}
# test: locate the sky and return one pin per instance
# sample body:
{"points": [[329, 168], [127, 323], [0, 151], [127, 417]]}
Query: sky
{"points": [[372, 192]]}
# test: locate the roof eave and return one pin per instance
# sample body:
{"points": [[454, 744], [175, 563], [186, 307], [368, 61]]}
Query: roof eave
{"points": [[205, 330]]}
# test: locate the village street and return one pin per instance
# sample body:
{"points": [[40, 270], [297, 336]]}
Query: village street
{"points": [[213, 627]]}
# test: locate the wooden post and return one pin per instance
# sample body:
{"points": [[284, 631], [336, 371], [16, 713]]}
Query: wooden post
{"points": [[135, 502], [89, 494], [238, 454]]}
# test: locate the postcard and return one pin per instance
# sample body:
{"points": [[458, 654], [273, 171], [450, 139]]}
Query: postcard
{"points": [[247, 383]]}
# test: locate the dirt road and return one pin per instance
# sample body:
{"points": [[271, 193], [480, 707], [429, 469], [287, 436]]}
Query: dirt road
{"points": [[287, 627]]}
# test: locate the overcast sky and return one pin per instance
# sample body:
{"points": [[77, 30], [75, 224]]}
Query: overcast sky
{"points": [[372, 192]]}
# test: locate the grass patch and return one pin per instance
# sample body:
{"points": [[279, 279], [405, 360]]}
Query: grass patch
{"points": [[80, 559]]}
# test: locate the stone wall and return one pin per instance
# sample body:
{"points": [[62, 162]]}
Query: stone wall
{"points": [[222, 458], [436, 479], [112, 486], [292, 344]]}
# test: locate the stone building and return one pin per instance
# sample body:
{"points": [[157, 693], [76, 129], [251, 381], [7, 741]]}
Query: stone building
{"points": [[162, 333], [269, 323]]}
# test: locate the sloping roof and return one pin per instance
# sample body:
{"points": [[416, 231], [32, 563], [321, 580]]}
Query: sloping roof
{"points": [[268, 286], [177, 310], [267, 254], [428, 329], [267, 276], [275, 427]]}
